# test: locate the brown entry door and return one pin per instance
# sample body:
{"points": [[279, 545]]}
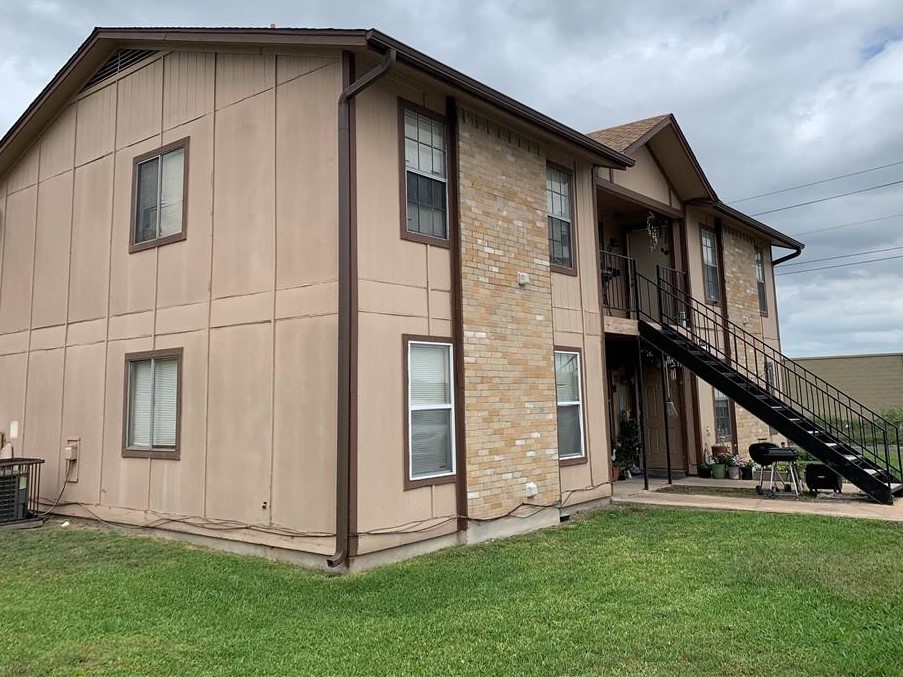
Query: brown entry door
{"points": [[654, 416]]}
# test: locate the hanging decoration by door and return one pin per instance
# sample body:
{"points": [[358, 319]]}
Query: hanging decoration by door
{"points": [[652, 232]]}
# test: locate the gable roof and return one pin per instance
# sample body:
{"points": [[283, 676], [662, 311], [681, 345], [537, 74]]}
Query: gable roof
{"points": [[103, 42], [665, 140]]}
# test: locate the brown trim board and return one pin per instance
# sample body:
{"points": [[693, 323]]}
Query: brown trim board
{"points": [[457, 307], [639, 198]]}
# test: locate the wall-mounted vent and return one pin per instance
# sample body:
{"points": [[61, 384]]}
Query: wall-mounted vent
{"points": [[122, 59]]}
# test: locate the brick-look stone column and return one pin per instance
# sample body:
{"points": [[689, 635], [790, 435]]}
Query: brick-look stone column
{"points": [[510, 404], [743, 309]]}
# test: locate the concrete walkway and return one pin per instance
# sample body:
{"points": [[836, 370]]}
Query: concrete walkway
{"points": [[631, 492]]}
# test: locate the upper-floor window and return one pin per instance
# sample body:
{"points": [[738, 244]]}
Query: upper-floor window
{"points": [[558, 206], [570, 404], [159, 196], [431, 410], [710, 275], [152, 404], [426, 181], [760, 281]]}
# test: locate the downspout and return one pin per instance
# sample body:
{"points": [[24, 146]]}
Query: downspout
{"points": [[346, 282]]}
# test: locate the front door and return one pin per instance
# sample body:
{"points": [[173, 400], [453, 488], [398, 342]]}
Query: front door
{"points": [[654, 419]]}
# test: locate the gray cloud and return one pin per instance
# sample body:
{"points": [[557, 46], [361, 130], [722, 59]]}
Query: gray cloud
{"points": [[771, 93]]}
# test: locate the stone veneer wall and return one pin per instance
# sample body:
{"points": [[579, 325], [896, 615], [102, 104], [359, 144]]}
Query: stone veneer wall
{"points": [[510, 404], [743, 310]]}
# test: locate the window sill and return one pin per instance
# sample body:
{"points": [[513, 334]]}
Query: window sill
{"points": [[564, 270], [425, 239], [573, 460], [429, 481], [159, 242], [162, 454]]}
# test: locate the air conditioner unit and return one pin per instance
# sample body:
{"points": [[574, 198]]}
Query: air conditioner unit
{"points": [[19, 483]]}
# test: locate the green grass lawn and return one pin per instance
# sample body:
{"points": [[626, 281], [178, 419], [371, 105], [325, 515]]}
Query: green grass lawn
{"points": [[638, 592]]}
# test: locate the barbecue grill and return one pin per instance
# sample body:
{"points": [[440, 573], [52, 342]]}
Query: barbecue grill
{"points": [[768, 455]]}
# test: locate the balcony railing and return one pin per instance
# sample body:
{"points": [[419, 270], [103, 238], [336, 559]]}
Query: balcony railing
{"points": [[618, 275]]}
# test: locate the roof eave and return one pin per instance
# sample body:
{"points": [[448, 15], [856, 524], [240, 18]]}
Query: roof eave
{"points": [[610, 157], [778, 238]]}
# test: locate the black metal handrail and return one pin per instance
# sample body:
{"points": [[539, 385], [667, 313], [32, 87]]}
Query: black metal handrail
{"points": [[617, 282], [836, 412], [847, 420]]}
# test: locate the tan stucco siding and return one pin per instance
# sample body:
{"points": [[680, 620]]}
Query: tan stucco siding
{"points": [[249, 295]]}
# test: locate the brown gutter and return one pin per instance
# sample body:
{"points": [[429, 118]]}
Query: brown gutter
{"points": [[347, 312]]}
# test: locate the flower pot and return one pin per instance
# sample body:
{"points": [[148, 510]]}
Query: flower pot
{"points": [[615, 473], [733, 472], [746, 472], [704, 472], [719, 471]]}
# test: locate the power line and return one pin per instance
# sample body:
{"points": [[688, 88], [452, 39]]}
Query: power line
{"points": [[840, 265], [847, 225], [817, 183], [825, 199], [844, 256]]}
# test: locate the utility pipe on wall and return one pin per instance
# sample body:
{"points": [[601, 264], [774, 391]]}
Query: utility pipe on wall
{"points": [[347, 279]]}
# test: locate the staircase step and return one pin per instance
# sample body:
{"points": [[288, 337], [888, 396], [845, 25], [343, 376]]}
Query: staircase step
{"points": [[851, 457], [895, 487], [871, 471]]}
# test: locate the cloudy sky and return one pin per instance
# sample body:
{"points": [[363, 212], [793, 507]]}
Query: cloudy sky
{"points": [[771, 94]]}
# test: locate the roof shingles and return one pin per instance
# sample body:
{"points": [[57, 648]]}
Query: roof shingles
{"points": [[622, 137]]}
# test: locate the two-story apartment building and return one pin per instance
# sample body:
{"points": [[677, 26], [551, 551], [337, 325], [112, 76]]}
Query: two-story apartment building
{"points": [[312, 294]]}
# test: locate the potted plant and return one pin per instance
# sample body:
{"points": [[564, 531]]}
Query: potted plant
{"points": [[627, 446], [720, 463], [704, 470], [746, 470]]}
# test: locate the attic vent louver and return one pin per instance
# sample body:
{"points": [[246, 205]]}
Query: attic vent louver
{"points": [[121, 60]]}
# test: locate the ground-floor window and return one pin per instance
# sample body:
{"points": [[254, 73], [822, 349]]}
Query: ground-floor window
{"points": [[570, 404], [431, 415], [153, 396], [723, 428]]}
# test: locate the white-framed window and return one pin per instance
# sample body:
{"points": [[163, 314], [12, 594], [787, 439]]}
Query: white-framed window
{"points": [[568, 388], [152, 402], [558, 206], [431, 410], [426, 175], [159, 200], [710, 275], [760, 281]]}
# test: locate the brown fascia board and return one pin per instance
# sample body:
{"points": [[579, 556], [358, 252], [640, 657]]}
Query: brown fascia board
{"points": [[608, 157], [102, 41]]}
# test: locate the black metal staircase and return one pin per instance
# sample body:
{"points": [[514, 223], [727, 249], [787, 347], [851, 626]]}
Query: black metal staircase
{"points": [[851, 439]]}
